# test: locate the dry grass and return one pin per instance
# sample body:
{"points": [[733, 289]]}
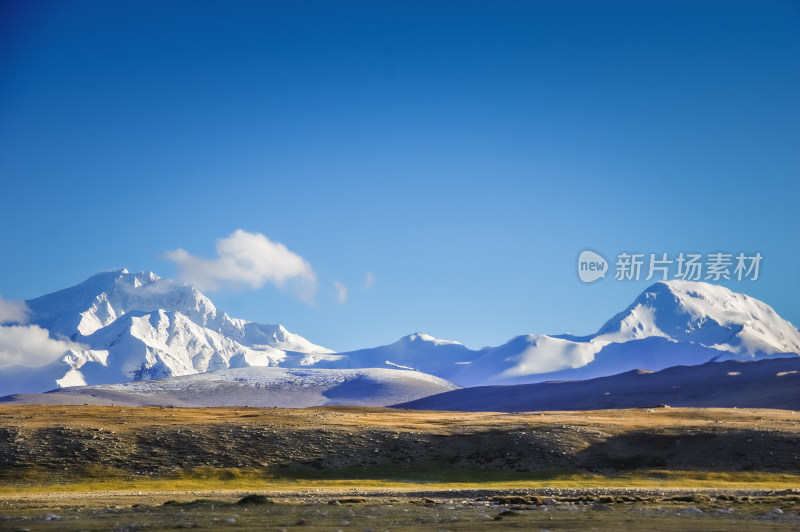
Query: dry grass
{"points": [[132, 418]]}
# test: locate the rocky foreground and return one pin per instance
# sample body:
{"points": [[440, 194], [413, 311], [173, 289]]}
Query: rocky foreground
{"points": [[401, 510]]}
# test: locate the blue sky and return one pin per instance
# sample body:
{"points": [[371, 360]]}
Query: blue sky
{"points": [[463, 153]]}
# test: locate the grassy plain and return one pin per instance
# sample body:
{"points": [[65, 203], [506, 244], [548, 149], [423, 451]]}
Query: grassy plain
{"points": [[121, 468]]}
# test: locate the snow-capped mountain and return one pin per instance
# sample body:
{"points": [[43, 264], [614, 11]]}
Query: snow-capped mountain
{"points": [[80, 311], [418, 351], [123, 327], [139, 326], [706, 314], [671, 323]]}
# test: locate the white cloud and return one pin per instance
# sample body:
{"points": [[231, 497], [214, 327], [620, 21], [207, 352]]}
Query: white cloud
{"points": [[13, 312], [30, 345], [369, 281], [341, 292], [248, 261]]}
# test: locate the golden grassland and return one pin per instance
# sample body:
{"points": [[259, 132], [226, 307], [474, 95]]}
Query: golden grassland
{"points": [[257, 481], [108, 468], [132, 418]]}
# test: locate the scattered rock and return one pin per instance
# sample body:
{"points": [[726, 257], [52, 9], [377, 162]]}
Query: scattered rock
{"points": [[255, 499], [511, 500], [773, 514]]}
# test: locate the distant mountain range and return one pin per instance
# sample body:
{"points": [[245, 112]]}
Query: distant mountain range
{"points": [[671, 323], [134, 327]]}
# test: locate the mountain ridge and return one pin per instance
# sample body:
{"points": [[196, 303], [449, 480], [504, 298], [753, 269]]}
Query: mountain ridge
{"points": [[140, 327]]}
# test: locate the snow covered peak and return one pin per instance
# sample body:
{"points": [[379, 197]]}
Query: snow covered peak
{"points": [[80, 311], [422, 337], [146, 277], [98, 301], [706, 314]]}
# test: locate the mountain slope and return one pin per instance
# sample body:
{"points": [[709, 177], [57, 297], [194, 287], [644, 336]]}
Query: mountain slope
{"points": [[256, 387], [770, 383]]}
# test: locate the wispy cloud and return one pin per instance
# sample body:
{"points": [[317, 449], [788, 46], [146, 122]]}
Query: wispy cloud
{"points": [[369, 281], [30, 345], [13, 311], [248, 261], [341, 292]]}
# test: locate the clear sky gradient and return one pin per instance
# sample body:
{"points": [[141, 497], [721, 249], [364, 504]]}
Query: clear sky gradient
{"points": [[464, 153]]}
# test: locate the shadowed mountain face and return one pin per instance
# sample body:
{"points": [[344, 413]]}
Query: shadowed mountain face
{"points": [[773, 383]]}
